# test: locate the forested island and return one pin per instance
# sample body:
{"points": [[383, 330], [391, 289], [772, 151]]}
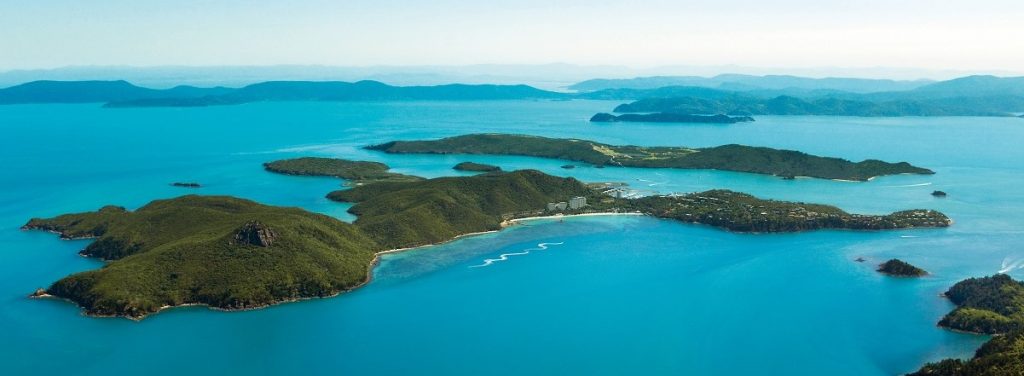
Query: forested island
{"points": [[219, 251], [900, 268], [230, 253], [357, 172], [761, 160], [989, 305], [475, 167], [665, 117], [741, 212]]}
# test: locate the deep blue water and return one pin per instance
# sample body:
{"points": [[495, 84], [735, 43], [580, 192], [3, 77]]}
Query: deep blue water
{"points": [[618, 295]]}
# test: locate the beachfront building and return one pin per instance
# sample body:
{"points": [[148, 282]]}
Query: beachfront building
{"points": [[559, 206], [577, 202]]}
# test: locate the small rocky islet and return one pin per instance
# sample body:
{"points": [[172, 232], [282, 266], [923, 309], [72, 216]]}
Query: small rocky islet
{"points": [[900, 268]]}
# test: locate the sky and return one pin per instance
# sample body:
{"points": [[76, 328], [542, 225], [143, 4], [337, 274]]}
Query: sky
{"points": [[977, 35]]}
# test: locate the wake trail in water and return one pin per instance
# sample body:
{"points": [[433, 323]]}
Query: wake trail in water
{"points": [[1009, 265], [505, 256], [910, 185], [292, 149]]}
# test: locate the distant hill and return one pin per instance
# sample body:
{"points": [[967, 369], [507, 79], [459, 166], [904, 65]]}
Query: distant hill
{"points": [[740, 82], [965, 96], [890, 104], [972, 86], [95, 91]]}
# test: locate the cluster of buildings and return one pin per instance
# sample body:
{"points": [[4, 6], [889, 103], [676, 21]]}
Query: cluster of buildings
{"points": [[574, 203]]}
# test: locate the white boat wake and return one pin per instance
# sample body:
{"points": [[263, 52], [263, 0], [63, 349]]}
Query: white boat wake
{"points": [[505, 256], [910, 185], [1009, 265]]}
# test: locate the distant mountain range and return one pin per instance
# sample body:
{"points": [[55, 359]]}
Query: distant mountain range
{"points": [[966, 96], [741, 82], [124, 94], [762, 95]]}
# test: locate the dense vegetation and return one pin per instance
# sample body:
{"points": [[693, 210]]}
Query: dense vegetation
{"points": [[741, 212], [786, 163], [663, 117], [359, 172], [416, 213], [900, 268], [219, 251], [476, 167], [989, 305]]}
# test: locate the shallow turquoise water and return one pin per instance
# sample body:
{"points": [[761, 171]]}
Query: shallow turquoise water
{"points": [[620, 294]]}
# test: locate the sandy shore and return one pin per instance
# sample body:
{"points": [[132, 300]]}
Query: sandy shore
{"points": [[524, 219]]}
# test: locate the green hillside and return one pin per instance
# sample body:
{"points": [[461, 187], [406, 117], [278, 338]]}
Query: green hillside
{"points": [[410, 214]]}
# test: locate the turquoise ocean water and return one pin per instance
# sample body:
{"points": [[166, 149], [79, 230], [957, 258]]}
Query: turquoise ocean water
{"points": [[608, 295]]}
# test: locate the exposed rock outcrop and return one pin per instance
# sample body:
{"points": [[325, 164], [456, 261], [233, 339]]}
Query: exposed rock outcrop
{"points": [[255, 233]]}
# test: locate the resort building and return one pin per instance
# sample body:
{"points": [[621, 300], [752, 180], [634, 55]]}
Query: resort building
{"points": [[557, 206], [577, 202]]}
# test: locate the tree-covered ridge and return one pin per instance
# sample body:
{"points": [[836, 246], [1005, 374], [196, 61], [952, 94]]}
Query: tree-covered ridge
{"points": [[740, 212], [212, 250], [989, 305], [476, 167], [409, 214], [359, 172], [761, 160], [664, 117]]}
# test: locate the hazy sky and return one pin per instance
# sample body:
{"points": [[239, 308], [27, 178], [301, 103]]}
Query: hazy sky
{"points": [[932, 34]]}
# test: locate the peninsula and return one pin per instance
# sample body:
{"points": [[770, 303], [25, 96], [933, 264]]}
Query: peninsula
{"points": [[358, 172], [989, 305], [665, 117], [760, 160], [231, 253]]}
